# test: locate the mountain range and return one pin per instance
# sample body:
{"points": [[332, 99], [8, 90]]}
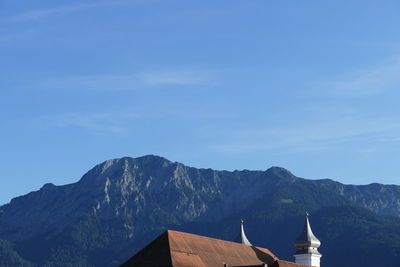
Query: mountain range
{"points": [[120, 205]]}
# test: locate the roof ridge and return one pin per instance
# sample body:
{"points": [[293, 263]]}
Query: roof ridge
{"points": [[213, 238]]}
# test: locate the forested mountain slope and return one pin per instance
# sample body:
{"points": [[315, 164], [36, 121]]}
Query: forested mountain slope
{"points": [[121, 205]]}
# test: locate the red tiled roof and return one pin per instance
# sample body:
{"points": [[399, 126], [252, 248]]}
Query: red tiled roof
{"points": [[179, 249], [156, 254]]}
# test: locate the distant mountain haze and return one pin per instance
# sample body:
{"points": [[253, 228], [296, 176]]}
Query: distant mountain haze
{"points": [[120, 205]]}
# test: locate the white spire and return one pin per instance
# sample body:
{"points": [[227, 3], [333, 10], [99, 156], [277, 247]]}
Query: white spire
{"points": [[243, 237], [308, 244]]}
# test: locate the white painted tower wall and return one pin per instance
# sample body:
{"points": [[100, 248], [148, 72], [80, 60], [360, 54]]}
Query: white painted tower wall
{"points": [[308, 259]]}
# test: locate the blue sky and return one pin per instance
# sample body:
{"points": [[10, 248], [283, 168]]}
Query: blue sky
{"points": [[312, 86]]}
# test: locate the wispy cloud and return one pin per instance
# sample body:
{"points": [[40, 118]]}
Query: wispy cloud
{"points": [[102, 123], [47, 12], [130, 82], [37, 14], [323, 136], [378, 79], [119, 122]]}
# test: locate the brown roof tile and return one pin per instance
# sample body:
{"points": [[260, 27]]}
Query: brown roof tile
{"points": [[179, 249], [214, 252], [155, 254]]}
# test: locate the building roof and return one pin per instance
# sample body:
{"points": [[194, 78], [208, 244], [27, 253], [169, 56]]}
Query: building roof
{"points": [[177, 249]]}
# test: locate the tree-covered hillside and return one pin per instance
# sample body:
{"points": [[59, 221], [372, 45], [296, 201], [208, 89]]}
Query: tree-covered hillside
{"points": [[10, 258], [121, 205]]}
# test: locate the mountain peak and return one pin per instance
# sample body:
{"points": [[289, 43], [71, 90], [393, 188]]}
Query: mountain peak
{"points": [[147, 159], [47, 186], [281, 172], [150, 157], [123, 165]]}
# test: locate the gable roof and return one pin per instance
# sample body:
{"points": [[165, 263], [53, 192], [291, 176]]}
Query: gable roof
{"points": [[155, 254], [179, 249]]}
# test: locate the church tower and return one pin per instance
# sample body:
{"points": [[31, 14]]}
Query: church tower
{"points": [[307, 246]]}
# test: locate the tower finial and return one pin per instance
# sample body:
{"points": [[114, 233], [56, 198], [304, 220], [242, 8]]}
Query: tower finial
{"points": [[307, 244], [243, 237]]}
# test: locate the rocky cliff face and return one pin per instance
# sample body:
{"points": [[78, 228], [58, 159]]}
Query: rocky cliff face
{"points": [[121, 204], [133, 190], [382, 199]]}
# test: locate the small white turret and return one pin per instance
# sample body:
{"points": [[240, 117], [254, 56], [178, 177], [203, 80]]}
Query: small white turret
{"points": [[307, 246], [243, 237]]}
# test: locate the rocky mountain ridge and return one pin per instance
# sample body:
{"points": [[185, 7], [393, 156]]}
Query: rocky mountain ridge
{"points": [[380, 198], [121, 204]]}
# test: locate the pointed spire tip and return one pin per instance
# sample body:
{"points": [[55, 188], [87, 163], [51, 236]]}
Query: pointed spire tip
{"points": [[243, 237]]}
